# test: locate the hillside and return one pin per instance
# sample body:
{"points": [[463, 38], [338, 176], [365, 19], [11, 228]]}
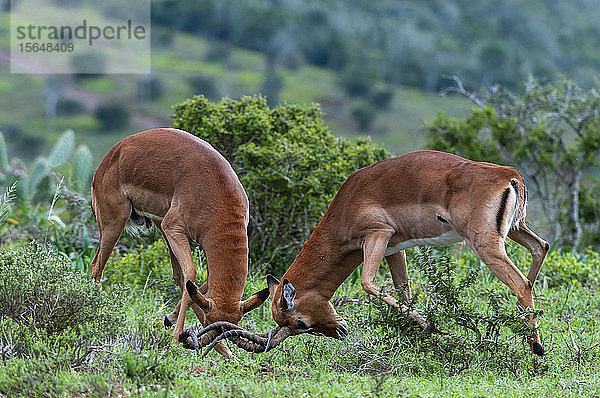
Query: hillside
{"points": [[376, 68]]}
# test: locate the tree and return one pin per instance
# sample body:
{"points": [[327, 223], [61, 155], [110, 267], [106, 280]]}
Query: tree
{"points": [[552, 134]]}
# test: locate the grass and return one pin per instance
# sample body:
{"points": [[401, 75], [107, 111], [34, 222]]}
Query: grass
{"points": [[380, 357]]}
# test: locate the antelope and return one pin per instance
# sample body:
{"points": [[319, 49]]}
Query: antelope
{"points": [[421, 198], [183, 186]]}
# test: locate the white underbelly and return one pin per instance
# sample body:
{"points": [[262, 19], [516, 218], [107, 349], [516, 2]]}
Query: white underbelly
{"points": [[447, 238]]}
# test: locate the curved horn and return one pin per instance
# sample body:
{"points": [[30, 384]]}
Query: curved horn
{"points": [[189, 335], [253, 342], [191, 340], [219, 326]]}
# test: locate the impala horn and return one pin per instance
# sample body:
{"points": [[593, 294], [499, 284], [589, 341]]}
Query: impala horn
{"points": [[246, 340]]}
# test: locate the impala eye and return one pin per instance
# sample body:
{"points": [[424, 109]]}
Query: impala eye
{"points": [[301, 325]]}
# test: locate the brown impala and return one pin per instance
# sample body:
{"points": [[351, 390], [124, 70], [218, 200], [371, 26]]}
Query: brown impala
{"points": [[421, 198], [190, 192]]}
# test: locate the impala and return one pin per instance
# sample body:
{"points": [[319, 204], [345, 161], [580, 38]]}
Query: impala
{"points": [[183, 186], [421, 198]]}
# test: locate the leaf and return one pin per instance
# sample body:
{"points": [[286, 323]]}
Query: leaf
{"points": [[82, 165], [62, 150], [3, 154], [39, 169]]}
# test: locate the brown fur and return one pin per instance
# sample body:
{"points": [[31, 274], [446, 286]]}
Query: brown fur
{"points": [[397, 200], [192, 193]]}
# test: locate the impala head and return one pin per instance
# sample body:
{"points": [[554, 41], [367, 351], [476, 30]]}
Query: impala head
{"points": [[304, 313], [310, 313], [215, 310]]}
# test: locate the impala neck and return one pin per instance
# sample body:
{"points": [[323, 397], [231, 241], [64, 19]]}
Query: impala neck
{"points": [[322, 265]]}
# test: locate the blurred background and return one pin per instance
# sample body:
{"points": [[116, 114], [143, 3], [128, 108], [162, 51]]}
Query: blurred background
{"points": [[375, 67]]}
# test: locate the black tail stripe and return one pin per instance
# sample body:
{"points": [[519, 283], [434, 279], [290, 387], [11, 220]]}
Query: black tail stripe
{"points": [[500, 215]]}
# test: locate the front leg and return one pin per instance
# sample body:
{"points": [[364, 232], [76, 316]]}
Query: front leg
{"points": [[374, 247], [373, 251], [399, 271]]}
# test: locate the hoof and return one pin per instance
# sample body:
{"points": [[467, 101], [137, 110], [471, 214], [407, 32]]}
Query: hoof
{"points": [[538, 349], [167, 322]]}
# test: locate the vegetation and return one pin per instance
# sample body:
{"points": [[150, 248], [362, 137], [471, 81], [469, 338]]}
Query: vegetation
{"points": [[373, 67], [112, 341], [410, 43], [552, 134], [288, 161]]}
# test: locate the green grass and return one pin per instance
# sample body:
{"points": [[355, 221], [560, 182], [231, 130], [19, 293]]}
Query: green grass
{"points": [[378, 358]]}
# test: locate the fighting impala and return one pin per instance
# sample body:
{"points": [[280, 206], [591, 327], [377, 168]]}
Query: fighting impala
{"points": [[421, 198], [190, 192]]}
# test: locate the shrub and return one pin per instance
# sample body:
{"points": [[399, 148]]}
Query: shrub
{"points": [[567, 267], [69, 106], [146, 267], [39, 290], [203, 84], [112, 116], [477, 325], [288, 161], [150, 88]]}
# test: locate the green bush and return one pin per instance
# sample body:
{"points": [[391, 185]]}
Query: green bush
{"points": [[288, 161], [67, 106], [113, 116], [38, 289], [145, 267], [567, 267], [478, 323]]}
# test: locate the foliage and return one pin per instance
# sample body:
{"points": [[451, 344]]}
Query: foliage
{"points": [[202, 84], [287, 160], [47, 205], [384, 353], [113, 116], [145, 267], [38, 182], [469, 324], [411, 42], [54, 318], [38, 289], [69, 106], [552, 134], [569, 268]]}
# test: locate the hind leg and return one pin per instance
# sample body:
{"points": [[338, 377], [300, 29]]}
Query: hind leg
{"points": [[536, 246], [493, 254], [399, 271], [112, 210]]}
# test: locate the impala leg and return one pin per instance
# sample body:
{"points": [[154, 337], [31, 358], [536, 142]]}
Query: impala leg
{"points": [[178, 277], [373, 251], [171, 318], [398, 269], [536, 246], [493, 254], [111, 219], [180, 246]]}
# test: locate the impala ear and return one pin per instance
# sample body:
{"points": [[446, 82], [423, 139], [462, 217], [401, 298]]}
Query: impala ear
{"points": [[287, 296], [196, 296], [272, 284], [255, 300]]}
